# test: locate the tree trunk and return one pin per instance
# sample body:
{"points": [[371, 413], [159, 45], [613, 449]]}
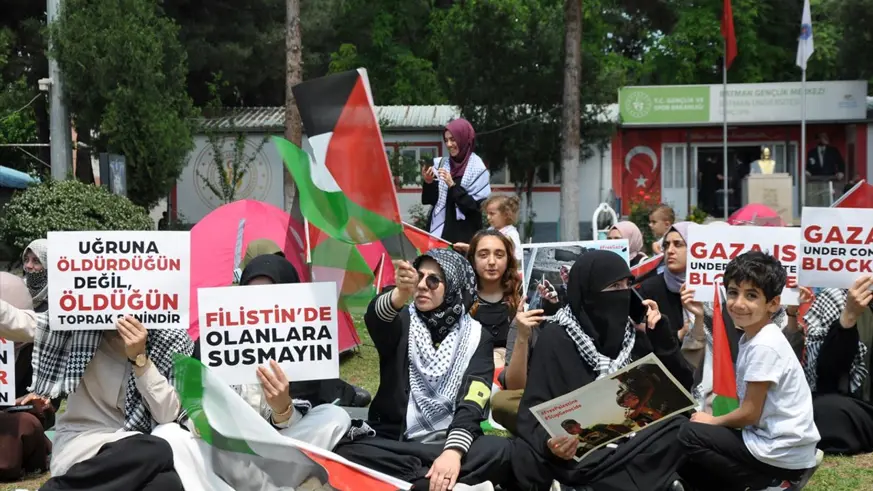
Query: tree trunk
{"points": [[293, 76], [571, 116]]}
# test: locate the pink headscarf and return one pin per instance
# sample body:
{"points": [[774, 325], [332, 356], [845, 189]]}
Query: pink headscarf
{"points": [[631, 232], [464, 135]]}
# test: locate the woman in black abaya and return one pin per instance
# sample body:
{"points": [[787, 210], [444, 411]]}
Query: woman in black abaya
{"points": [[588, 339]]}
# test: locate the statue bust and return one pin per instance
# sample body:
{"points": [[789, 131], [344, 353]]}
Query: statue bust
{"points": [[765, 165]]}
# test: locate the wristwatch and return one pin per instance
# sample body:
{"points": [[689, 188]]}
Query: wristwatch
{"points": [[140, 360]]}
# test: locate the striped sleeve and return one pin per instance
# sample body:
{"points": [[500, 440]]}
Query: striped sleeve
{"points": [[459, 439], [384, 310]]}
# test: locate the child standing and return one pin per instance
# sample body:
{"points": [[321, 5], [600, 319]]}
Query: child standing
{"points": [[771, 437], [502, 213]]}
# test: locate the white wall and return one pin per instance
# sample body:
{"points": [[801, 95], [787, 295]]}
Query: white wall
{"points": [[264, 181]]}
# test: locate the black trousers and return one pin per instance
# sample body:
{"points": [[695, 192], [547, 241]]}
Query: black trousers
{"points": [[487, 460], [135, 463], [844, 423], [717, 459]]}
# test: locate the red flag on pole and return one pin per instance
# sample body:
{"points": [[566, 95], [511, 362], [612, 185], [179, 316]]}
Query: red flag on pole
{"points": [[727, 31]]}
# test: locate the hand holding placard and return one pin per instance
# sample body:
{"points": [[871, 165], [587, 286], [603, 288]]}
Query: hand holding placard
{"points": [[687, 296], [857, 300], [276, 389]]}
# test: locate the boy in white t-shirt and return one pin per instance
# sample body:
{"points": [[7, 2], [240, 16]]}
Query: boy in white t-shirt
{"points": [[771, 437]]}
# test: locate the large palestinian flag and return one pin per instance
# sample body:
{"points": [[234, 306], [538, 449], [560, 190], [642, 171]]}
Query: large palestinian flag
{"points": [[725, 340], [345, 183], [242, 451], [342, 263]]}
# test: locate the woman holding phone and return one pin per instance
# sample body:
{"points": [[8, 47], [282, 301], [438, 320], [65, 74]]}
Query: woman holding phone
{"points": [[456, 186]]}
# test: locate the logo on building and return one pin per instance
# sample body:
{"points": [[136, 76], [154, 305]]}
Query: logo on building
{"points": [[638, 104], [255, 182]]}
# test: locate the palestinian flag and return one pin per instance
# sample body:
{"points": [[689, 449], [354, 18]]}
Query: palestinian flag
{"points": [[242, 451], [332, 260], [724, 378], [860, 196], [345, 184], [412, 242], [384, 273], [647, 266]]}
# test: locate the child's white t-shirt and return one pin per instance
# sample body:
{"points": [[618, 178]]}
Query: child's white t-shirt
{"points": [[786, 434], [512, 232]]}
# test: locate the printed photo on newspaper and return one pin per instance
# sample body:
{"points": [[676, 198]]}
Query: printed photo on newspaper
{"points": [[639, 395]]}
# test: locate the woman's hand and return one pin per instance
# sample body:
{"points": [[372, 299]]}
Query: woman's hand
{"points": [[427, 174], [687, 296], [563, 447], [446, 176], [461, 247], [546, 294], [405, 281], [653, 315], [276, 389], [525, 321], [445, 470], [38, 402], [806, 296], [857, 300], [134, 335]]}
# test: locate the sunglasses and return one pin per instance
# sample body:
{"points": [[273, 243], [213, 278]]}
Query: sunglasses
{"points": [[431, 281]]}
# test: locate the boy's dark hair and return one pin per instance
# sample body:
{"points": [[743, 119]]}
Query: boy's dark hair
{"points": [[759, 269]]}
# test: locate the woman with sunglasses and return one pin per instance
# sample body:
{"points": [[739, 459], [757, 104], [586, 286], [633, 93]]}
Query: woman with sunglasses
{"points": [[436, 368]]}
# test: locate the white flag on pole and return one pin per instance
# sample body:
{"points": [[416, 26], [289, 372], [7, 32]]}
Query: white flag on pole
{"points": [[805, 45]]}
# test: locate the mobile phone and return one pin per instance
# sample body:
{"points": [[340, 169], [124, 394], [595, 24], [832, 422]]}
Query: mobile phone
{"points": [[637, 312], [19, 409]]}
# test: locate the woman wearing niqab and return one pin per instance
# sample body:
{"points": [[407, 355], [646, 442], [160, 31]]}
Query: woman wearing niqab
{"points": [[590, 338]]}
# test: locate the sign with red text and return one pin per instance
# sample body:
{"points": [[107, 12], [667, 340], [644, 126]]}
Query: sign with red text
{"points": [[711, 249], [641, 394], [836, 246], [7, 373], [244, 327], [97, 277]]}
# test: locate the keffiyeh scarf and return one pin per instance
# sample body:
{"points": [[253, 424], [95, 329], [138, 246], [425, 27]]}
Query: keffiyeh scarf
{"points": [[61, 357], [475, 181], [827, 307], [585, 346], [436, 373]]}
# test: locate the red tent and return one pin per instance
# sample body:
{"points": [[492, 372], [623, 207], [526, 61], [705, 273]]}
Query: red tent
{"points": [[219, 241]]}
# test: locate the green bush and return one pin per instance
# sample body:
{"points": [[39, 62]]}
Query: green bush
{"points": [[640, 208], [67, 206]]}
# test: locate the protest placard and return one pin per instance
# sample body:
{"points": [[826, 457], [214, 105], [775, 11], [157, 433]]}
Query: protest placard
{"points": [[836, 246], [711, 249], [7, 373], [96, 277], [642, 394], [242, 327], [549, 264]]}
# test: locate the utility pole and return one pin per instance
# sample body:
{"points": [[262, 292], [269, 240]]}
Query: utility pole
{"points": [[293, 76], [571, 121], [60, 138]]}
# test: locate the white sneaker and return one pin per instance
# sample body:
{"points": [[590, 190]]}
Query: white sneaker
{"points": [[485, 486]]}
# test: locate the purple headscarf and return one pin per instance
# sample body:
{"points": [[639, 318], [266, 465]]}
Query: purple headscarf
{"points": [[675, 280], [464, 135]]}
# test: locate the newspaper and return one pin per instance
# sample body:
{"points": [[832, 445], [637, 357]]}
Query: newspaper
{"points": [[642, 394]]}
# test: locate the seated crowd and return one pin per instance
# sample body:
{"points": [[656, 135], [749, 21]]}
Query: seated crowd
{"points": [[441, 332]]}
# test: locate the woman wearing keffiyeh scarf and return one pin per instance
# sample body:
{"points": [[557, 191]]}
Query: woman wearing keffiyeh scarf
{"points": [[838, 354], [592, 337], [436, 368], [102, 440], [456, 186]]}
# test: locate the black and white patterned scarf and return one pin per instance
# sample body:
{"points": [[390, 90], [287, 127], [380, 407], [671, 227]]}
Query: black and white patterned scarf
{"points": [[827, 307], [588, 351], [436, 373], [61, 357], [476, 181]]}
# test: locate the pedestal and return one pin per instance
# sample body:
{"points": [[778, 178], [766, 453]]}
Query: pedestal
{"points": [[773, 190]]}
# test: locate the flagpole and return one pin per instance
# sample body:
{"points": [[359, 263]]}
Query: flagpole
{"points": [[802, 151], [725, 129]]}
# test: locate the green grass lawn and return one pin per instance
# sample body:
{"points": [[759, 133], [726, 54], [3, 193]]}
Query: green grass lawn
{"points": [[362, 368]]}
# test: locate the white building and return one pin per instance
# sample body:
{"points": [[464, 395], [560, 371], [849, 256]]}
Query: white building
{"points": [[415, 131]]}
